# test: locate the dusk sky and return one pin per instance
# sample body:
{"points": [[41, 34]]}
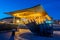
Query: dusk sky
{"points": [[52, 7]]}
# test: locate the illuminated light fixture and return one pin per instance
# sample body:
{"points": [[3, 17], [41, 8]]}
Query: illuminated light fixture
{"points": [[17, 21]]}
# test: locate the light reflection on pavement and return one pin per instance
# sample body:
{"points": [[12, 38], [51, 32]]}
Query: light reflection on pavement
{"points": [[25, 34]]}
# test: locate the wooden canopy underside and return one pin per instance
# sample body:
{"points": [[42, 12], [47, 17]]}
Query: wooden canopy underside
{"points": [[36, 13]]}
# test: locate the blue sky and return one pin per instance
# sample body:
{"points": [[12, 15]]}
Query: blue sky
{"points": [[52, 7]]}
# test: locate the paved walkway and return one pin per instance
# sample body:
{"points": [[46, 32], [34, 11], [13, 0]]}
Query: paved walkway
{"points": [[25, 34]]}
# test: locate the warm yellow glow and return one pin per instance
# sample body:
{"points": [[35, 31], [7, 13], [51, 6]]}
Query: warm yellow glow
{"points": [[38, 17], [18, 21], [27, 16], [48, 17], [36, 14], [20, 32]]}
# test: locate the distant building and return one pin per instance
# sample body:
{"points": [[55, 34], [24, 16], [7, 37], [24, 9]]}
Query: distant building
{"points": [[57, 21], [10, 20]]}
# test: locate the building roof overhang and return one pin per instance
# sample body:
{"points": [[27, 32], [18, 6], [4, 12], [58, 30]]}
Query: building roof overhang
{"points": [[32, 12], [38, 10]]}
